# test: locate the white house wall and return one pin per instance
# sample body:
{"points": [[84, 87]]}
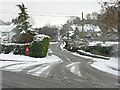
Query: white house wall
{"points": [[6, 29]]}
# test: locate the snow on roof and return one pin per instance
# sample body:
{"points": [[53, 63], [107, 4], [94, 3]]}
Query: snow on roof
{"points": [[7, 28], [40, 37], [71, 33], [31, 29], [115, 30], [87, 27], [74, 27], [0, 35], [65, 37]]}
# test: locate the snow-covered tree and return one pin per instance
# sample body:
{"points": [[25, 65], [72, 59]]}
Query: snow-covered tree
{"points": [[22, 21]]}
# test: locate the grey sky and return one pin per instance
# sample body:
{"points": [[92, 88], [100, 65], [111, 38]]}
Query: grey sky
{"points": [[48, 12]]}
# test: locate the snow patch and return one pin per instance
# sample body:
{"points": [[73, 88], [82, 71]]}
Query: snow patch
{"points": [[74, 68], [14, 44], [6, 63], [40, 37], [88, 53], [23, 58], [62, 46], [109, 66], [76, 54], [94, 43], [20, 67], [53, 42], [42, 70], [37, 71]]}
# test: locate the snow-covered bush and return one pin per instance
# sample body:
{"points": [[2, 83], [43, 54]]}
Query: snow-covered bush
{"points": [[7, 49], [40, 37], [20, 50], [98, 50], [39, 47], [23, 38], [70, 47], [13, 48]]}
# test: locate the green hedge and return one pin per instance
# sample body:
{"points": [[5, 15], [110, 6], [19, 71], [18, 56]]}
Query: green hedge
{"points": [[39, 49], [45, 46]]}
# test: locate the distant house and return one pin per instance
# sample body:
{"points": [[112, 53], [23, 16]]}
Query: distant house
{"points": [[89, 31], [76, 34], [65, 38], [6, 32]]}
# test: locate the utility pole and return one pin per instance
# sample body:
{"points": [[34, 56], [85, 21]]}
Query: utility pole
{"points": [[68, 30], [8, 37], [83, 28]]}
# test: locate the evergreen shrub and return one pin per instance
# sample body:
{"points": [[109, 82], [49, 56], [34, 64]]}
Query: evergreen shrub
{"points": [[39, 48]]}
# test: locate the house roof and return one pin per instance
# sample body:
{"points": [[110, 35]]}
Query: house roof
{"points": [[0, 35], [87, 27], [7, 28], [71, 33], [65, 37]]}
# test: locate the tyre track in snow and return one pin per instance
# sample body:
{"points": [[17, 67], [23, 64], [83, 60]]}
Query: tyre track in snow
{"points": [[90, 77]]}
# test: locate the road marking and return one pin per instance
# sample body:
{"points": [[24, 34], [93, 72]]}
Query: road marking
{"points": [[68, 59], [79, 80]]}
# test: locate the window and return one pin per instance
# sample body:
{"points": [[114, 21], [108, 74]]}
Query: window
{"points": [[4, 34]]}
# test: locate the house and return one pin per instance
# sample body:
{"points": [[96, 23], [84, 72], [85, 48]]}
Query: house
{"points": [[76, 34], [90, 31], [6, 32]]}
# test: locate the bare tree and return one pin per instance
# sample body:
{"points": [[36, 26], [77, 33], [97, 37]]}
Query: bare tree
{"points": [[108, 18], [88, 16], [94, 15]]}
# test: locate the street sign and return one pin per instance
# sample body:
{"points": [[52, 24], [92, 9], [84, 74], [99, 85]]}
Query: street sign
{"points": [[27, 50]]}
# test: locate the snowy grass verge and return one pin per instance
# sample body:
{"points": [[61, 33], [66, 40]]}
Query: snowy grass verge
{"points": [[110, 66], [92, 55], [26, 60], [23, 58]]}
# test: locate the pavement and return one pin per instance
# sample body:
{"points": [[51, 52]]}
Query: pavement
{"points": [[60, 76]]}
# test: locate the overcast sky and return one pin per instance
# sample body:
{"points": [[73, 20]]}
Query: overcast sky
{"points": [[54, 12]]}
